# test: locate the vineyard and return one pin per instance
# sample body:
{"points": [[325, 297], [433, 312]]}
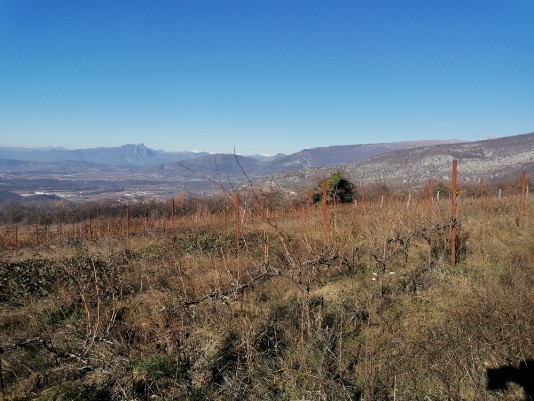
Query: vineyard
{"points": [[255, 296]]}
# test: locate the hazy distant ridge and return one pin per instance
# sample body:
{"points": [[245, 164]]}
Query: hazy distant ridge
{"points": [[126, 155], [143, 156]]}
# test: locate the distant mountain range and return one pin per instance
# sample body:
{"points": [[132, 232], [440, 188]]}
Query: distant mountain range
{"points": [[142, 156], [126, 155], [136, 170], [225, 164]]}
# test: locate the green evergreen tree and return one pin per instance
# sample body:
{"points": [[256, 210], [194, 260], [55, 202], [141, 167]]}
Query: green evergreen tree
{"points": [[339, 189]]}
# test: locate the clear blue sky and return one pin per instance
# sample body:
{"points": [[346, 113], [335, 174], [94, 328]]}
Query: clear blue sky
{"points": [[264, 76]]}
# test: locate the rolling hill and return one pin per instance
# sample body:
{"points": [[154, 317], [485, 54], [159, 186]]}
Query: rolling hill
{"points": [[341, 154], [491, 160]]}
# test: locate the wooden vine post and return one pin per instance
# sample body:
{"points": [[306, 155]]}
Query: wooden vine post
{"points": [[238, 219], [127, 222], [481, 194], [238, 233], [363, 199], [173, 207], [271, 206], [453, 213], [90, 229], [324, 212], [521, 217], [16, 238], [429, 195]]}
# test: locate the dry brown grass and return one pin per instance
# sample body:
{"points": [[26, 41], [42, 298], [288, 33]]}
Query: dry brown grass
{"points": [[372, 311]]}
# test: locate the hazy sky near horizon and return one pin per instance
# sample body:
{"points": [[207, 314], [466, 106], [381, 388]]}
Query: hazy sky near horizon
{"points": [[264, 76]]}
